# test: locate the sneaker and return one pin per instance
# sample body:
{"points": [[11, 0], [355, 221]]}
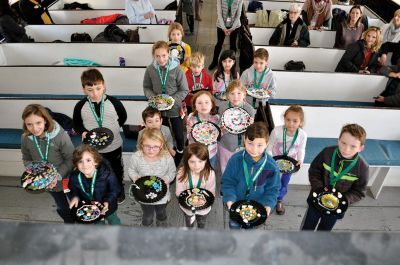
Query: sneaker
{"points": [[121, 198], [212, 66], [280, 209]]}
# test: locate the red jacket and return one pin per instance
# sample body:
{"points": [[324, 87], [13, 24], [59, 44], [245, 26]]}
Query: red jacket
{"points": [[206, 84]]}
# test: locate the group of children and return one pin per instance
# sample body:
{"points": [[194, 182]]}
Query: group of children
{"points": [[248, 169]]}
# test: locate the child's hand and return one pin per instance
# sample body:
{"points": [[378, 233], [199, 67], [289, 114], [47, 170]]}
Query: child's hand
{"points": [[268, 209], [84, 135], [229, 204], [74, 202], [299, 163], [172, 152], [105, 208]]}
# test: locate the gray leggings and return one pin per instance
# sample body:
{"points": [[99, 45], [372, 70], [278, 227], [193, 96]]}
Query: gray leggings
{"points": [[148, 214], [200, 219]]}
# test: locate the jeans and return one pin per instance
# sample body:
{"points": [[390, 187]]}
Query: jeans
{"points": [[62, 206], [148, 214], [285, 178], [117, 165], [200, 219], [326, 223]]}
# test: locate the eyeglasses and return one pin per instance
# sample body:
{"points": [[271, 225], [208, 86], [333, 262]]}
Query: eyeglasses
{"points": [[149, 147]]}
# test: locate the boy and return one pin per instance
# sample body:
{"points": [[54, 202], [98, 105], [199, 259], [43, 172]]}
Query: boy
{"points": [[265, 183], [350, 171], [259, 76], [197, 78], [101, 110], [152, 119]]}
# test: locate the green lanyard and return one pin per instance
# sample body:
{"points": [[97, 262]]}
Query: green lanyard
{"points": [[285, 152], [258, 85], [91, 187], [98, 119], [44, 158], [194, 82], [239, 135], [250, 181], [333, 178], [191, 182], [163, 78], [229, 2]]}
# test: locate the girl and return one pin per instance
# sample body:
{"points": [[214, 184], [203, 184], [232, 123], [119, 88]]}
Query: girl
{"points": [[228, 24], [362, 56], [351, 30], [164, 76], [43, 139], [225, 73], [94, 180], [204, 109], [289, 139], [153, 159], [230, 143], [196, 171], [177, 47]]}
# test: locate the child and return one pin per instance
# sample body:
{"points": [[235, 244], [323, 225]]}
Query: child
{"points": [[152, 119], [153, 159], [349, 175], [289, 139], [197, 78], [94, 180], [225, 73], [259, 75], [195, 172], [230, 143], [43, 139], [177, 47], [251, 173], [204, 109], [101, 110], [164, 76]]}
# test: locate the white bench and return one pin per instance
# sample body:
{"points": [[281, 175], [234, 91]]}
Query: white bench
{"points": [[49, 33], [107, 54], [326, 122], [107, 4], [76, 16], [318, 39]]}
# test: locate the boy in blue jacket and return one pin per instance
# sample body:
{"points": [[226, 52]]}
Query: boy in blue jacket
{"points": [[243, 168]]}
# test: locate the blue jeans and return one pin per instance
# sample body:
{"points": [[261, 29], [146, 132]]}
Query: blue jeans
{"points": [[285, 178], [62, 206], [326, 223]]}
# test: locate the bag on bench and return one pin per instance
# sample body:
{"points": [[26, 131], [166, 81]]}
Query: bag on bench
{"points": [[133, 35], [295, 66], [81, 37], [254, 6]]}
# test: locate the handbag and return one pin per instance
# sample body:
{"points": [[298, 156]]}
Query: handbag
{"points": [[80, 37], [295, 66], [133, 35]]}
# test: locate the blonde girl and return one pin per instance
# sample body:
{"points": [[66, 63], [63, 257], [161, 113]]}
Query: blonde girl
{"points": [[43, 139], [196, 171], [178, 48], [288, 139], [204, 109], [230, 143], [153, 159]]}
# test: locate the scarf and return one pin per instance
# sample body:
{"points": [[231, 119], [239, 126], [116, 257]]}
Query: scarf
{"points": [[391, 32], [295, 34]]}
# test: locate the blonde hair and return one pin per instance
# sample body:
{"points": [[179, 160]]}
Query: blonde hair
{"points": [[356, 131], [298, 110], [197, 58], [38, 110], [396, 13], [174, 26], [235, 84], [155, 135], [377, 44], [159, 45]]}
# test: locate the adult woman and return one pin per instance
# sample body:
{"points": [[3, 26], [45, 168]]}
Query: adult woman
{"points": [[350, 30], [292, 31], [317, 13], [362, 56], [43, 139], [35, 11], [228, 24], [9, 28], [139, 11], [391, 39]]}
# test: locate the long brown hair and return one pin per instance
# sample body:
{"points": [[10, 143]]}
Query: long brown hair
{"points": [[201, 152], [200, 93], [40, 111]]}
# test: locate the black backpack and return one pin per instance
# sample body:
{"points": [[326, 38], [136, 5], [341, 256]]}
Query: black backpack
{"points": [[295, 66], [81, 37], [112, 33], [254, 6], [64, 120], [338, 16]]}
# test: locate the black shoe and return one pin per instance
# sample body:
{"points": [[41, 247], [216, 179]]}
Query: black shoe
{"points": [[178, 158], [121, 198], [212, 66]]}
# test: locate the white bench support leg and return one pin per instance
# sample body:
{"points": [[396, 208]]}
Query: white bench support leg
{"points": [[379, 179]]}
